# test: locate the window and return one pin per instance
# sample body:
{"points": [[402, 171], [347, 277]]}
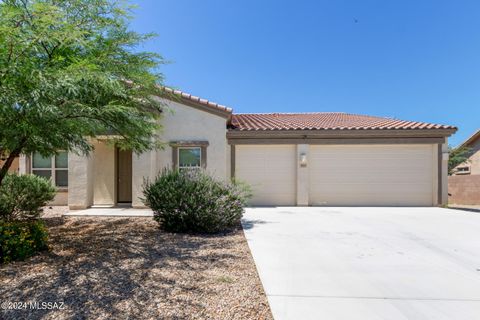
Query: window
{"points": [[54, 168], [189, 158], [188, 154], [463, 170]]}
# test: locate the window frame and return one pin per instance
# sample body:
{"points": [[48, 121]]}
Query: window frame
{"points": [[52, 169], [176, 145], [463, 170], [180, 167]]}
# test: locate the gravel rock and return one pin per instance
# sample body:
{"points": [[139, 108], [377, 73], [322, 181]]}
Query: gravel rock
{"points": [[54, 211], [126, 268]]}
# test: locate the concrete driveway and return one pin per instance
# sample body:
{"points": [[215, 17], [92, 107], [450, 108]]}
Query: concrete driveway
{"points": [[367, 263]]}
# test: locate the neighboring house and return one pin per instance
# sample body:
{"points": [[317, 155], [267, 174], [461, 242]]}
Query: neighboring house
{"points": [[332, 159], [464, 183], [472, 165]]}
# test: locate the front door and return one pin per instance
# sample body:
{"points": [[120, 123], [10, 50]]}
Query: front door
{"points": [[124, 176]]}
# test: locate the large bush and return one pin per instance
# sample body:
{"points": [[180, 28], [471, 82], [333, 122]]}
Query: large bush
{"points": [[192, 201], [21, 239], [23, 196]]}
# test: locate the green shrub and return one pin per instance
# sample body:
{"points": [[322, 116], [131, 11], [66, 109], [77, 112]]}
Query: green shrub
{"points": [[21, 239], [23, 196], [192, 201]]}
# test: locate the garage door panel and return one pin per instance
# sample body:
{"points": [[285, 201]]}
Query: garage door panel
{"points": [[268, 187], [363, 200], [365, 178], [371, 149], [270, 171], [375, 188], [371, 175], [372, 163]]}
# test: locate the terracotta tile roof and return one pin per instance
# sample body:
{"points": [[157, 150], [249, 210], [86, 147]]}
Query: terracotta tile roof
{"points": [[199, 100], [323, 121]]}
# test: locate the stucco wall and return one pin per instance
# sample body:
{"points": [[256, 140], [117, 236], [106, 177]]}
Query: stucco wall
{"points": [[61, 199], [228, 165], [14, 167], [303, 176], [80, 181], [104, 168], [474, 160], [143, 167], [181, 122], [444, 173]]}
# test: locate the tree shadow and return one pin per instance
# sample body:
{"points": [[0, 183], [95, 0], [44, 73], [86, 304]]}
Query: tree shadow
{"points": [[248, 224], [106, 267]]}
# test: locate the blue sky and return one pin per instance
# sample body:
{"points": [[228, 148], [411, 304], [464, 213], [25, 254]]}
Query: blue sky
{"points": [[407, 59]]}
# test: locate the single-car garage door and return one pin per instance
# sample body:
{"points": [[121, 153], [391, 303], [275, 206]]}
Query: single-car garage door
{"points": [[271, 172], [372, 175]]}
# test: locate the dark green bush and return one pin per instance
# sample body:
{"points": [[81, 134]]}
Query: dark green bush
{"points": [[192, 201], [21, 239], [23, 196]]}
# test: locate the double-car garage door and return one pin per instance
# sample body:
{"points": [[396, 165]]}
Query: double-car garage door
{"points": [[340, 175]]}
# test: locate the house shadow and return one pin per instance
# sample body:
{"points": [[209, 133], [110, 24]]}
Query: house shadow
{"points": [[465, 209]]}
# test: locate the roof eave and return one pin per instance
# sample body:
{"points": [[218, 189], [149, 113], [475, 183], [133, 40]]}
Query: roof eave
{"points": [[470, 140], [196, 102], [340, 133]]}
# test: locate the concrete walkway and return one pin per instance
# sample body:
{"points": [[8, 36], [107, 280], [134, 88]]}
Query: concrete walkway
{"points": [[367, 263], [111, 212]]}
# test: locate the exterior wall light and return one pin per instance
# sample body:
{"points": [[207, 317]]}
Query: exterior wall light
{"points": [[303, 160]]}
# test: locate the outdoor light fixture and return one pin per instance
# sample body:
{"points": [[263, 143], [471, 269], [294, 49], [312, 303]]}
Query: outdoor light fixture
{"points": [[303, 160]]}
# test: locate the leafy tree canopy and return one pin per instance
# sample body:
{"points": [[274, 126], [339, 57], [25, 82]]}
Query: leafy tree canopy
{"points": [[71, 70]]}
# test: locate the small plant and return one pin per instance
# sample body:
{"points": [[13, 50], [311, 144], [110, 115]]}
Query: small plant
{"points": [[193, 201], [21, 239], [23, 196]]}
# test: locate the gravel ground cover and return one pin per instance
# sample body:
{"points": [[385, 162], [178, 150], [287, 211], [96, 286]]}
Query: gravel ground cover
{"points": [[126, 268]]}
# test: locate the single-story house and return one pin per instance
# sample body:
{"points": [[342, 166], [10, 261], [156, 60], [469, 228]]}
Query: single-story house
{"points": [[330, 159], [472, 165], [464, 183]]}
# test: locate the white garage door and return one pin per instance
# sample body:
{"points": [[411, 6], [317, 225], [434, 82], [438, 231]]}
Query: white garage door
{"points": [[271, 172], [372, 175]]}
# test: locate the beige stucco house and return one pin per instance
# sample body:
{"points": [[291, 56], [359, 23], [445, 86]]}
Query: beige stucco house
{"points": [[331, 159], [472, 165]]}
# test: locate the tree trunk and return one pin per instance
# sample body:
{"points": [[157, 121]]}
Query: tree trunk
{"points": [[8, 163]]}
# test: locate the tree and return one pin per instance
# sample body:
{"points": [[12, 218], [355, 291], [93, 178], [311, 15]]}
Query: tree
{"points": [[70, 71], [457, 156]]}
